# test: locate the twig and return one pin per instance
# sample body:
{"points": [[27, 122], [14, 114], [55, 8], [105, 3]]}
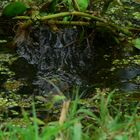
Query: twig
{"points": [[63, 117], [64, 112]]}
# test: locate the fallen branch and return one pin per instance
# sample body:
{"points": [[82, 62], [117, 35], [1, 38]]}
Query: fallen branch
{"points": [[51, 19], [62, 14]]}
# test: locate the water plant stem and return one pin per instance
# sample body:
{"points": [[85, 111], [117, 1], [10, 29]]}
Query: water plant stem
{"points": [[63, 14], [75, 13]]}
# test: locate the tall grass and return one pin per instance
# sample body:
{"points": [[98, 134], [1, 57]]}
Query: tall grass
{"points": [[79, 122]]}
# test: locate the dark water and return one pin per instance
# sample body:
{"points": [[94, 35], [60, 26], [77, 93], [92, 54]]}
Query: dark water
{"points": [[67, 60], [65, 57], [49, 62]]}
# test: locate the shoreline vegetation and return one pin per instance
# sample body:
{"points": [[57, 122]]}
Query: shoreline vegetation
{"points": [[78, 122]]}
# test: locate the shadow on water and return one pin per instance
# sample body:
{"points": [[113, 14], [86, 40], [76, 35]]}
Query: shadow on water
{"points": [[68, 59]]}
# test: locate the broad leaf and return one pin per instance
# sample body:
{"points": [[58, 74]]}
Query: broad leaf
{"points": [[83, 4], [137, 43], [14, 9]]}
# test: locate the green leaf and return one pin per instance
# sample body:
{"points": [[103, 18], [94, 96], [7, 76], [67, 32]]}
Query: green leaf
{"points": [[70, 5], [83, 4], [39, 122], [121, 137], [77, 131], [14, 9], [58, 98], [137, 43]]}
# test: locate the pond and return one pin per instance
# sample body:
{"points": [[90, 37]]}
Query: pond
{"points": [[45, 63]]}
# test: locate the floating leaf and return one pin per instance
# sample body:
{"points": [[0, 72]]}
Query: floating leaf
{"points": [[137, 43]]}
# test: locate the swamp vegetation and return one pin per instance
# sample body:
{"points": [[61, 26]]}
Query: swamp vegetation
{"points": [[69, 70]]}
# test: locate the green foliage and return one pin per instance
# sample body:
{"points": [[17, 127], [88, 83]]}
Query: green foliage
{"points": [[106, 5], [78, 4], [14, 9], [53, 6], [81, 123], [137, 43]]}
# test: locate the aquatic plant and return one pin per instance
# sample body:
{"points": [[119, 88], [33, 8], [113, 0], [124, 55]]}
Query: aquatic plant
{"points": [[14, 9]]}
